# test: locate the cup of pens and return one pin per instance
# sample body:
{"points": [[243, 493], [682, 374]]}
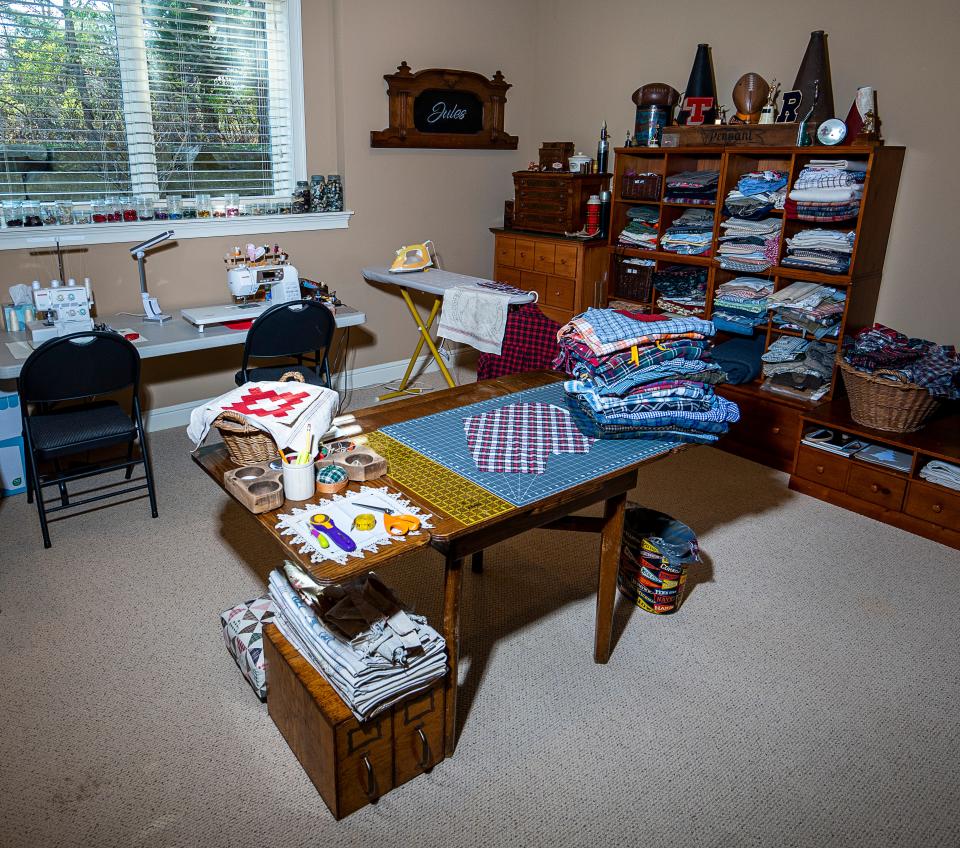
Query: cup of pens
{"points": [[299, 475]]}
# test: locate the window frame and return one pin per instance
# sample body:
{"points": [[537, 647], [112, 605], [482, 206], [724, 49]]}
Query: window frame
{"points": [[133, 61]]}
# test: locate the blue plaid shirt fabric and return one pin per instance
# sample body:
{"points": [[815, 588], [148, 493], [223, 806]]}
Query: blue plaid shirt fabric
{"points": [[621, 378], [606, 331], [688, 397]]}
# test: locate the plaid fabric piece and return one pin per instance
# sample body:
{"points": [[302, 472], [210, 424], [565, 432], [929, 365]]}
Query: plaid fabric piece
{"points": [[607, 331], [529, 344], [519, 437]]}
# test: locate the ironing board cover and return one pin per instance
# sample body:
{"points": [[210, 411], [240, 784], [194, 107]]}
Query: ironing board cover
{"points": [[434, 281]]}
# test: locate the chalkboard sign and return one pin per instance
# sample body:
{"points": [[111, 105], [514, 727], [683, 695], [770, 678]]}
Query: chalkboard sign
{"points": [[440, 107], [443, 111]]}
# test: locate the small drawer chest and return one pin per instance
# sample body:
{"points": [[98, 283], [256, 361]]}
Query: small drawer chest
{"points": [[567, 274], [553, 202]]}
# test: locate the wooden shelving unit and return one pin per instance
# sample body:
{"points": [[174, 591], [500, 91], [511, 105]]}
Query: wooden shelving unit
{"points": [[770, 426]]}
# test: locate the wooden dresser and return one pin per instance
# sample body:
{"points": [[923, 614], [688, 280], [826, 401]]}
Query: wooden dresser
{"points": [[568, 274]]}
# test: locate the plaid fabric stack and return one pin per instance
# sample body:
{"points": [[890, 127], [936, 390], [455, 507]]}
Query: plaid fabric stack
{"points": [[643, 376], [529, 344], [827, 190], [923, 363]]}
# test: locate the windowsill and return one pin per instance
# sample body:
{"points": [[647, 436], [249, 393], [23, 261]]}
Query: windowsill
{"points": [[135, 231]]}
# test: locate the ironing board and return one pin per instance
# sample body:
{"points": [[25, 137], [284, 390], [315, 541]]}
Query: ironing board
{"points": [[436, 282]]}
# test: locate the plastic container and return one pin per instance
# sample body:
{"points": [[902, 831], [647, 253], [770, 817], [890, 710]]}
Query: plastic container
{"points": [[174, 207], [654, 557], [203, 206]]}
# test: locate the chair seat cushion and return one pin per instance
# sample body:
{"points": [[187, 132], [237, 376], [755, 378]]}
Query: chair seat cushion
{"points": [[76, 429], [275, 373]]}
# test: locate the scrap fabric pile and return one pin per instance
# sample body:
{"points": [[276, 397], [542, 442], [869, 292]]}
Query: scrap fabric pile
{"points": [[691, 234], [923, 363], [757, 194], [827, 251], [698, 187], [750, 246], [740, 305], [641, 230], [358, 637], [681, 289], [808, 308], [799, 368], [827, 190], [644, 376]]}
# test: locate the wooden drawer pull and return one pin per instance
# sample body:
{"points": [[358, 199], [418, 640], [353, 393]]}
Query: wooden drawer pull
{"points": [[425, 756], [938, 508], [877, 488], [371, 789], [775, 431], [819, 469]]}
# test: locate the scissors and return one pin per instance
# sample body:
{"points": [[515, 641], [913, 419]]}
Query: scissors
{"points": [[396, 525]]}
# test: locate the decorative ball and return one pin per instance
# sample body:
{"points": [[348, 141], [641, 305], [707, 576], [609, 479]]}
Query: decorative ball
{"points": [[750, 96]]}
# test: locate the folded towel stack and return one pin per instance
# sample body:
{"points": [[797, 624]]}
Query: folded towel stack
{"points": [[942, 473], [643, 376], [750, 246], [827, 251], [358, 637]]}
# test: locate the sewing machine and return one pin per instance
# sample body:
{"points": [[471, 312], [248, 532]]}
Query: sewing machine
{"points": [[245, 281], [68, 311]]}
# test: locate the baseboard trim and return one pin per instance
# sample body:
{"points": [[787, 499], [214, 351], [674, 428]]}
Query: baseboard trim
{"points": [[178, 415]]}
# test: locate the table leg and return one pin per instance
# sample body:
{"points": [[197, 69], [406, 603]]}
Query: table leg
{"points": [[610, 541], [476, 563], [452, 585]]}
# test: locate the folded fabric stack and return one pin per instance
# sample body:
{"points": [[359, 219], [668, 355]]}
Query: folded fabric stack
{"points": [[692, 187], [799, 368], [942, 473], [739, 358], [827, 251], [358, 637], [740, 305], [641, 229], [643, 376], [681, 289], [690, 234], [757, 194], [808, 308], [923, 363], [749, 245], [827, 190]]}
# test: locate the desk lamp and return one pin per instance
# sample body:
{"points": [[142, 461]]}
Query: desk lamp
{"points": [[151, 309]]}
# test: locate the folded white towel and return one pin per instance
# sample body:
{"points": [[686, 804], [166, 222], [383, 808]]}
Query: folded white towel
{"points": [[474, 316]]}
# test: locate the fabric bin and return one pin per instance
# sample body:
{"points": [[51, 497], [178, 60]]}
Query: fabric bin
{"points": [[243, 633], [654, 557]]}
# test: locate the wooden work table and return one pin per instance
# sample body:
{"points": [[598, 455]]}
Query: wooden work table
{"points": [[455, 540]]}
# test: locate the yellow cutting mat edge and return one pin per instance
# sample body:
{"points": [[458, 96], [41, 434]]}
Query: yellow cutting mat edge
{"points": [[458, 497]]}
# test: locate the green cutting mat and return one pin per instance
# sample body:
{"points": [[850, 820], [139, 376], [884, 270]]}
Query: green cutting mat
{"points": [[467, 502]]}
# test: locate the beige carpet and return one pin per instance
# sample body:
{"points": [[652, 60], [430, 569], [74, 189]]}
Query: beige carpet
{"points": [[806, 694]]}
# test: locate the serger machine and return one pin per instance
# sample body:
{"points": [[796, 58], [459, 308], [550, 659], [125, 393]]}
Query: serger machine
{"points": [[67, 309], [245, 281]]}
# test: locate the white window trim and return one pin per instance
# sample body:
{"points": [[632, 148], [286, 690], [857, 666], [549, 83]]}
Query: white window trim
{"points": [[18, 238]]}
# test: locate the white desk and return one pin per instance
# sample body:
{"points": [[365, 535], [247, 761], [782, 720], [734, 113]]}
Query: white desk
{"points": [[173, 336]]}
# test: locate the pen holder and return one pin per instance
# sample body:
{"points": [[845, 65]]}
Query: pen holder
{"points": [[299, 482]]}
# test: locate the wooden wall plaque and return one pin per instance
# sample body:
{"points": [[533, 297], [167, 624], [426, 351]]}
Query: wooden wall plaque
{"points": [[439, 107]]}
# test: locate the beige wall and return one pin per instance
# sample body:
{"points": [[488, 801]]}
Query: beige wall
{"points": [[572, 65], [907, 51]]}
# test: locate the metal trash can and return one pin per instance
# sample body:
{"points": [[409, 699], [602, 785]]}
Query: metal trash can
{"points": [[654, 557]]}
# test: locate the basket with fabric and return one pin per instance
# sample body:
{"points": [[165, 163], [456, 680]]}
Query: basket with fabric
{"points": [[885, 400], [247, 444]]}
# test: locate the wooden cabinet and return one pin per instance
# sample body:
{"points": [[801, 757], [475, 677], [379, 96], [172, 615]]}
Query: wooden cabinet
{"points": [[901, 498], [351, 763], [550, 202], [568, 275], [861, 283], [767, 431]]}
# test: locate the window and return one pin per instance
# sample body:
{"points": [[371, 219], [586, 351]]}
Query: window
{"points": [[154, 97]]}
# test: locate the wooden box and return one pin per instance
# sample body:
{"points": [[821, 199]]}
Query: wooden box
{"points": [[553, 202], [352, 764]]}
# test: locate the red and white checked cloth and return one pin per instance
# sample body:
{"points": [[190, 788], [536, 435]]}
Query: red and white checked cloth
{"points": [[282, 410], [519, 437]]}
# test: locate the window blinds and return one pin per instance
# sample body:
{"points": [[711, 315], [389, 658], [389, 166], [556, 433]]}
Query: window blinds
{"points": [[101, 97]]}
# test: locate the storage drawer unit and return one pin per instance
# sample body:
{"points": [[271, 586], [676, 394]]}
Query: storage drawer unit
{"points": [[352, 764], [568, 275], [822, 467], [553, 203], [934, 504], [767, 432], [875, 486]]}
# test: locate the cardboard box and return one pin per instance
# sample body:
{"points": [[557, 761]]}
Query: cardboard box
{"points": [[10, 423], [13, 479]]}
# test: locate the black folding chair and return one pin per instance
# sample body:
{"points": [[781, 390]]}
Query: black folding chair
{"points": [[290, 330], [80, 367]]}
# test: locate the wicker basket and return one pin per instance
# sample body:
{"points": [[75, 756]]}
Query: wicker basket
{"points": [[247, 444], [887, 404], [634, 282], [641, 187]]}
